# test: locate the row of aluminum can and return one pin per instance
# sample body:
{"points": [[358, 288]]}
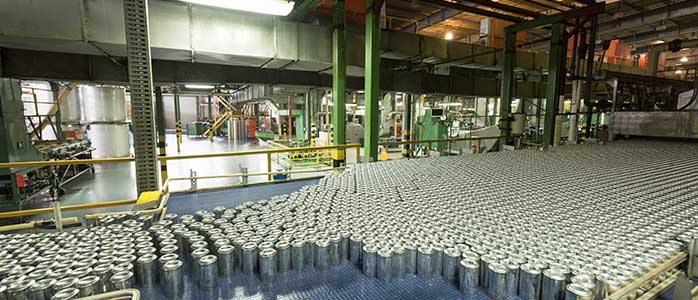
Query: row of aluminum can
{"points": [[518, 220]]}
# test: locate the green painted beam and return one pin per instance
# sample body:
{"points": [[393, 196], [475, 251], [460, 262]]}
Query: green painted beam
{"points": [[372, 82], [339, 80], [555, 75], [508, 81]]}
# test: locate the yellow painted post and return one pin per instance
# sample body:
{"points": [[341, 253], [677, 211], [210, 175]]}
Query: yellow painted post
{"points": [[269, 166], [477, 146]]}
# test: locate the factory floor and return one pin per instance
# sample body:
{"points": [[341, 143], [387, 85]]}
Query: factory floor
{"points": [[117, 181]]}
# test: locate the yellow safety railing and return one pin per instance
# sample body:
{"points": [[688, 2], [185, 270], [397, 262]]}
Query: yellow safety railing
{"points": [[477, 139], [165, 188]]}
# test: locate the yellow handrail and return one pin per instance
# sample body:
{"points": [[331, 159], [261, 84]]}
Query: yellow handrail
{"points": [[255, 152], [40, 211], [166, 158], [479, 138]]}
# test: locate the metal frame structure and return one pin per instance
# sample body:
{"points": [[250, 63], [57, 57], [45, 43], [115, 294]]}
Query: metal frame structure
{"points": [[339, 81], [372, 79], [556, 67]]}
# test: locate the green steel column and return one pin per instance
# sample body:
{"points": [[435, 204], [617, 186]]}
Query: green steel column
{"points": [[507, 87], [371, 79], [160, 123], [407, 125], [590, 73], [178, 121], [210, 108], [555, 75], [339, 78]]}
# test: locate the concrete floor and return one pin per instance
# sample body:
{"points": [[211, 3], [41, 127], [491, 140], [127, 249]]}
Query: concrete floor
{"points": [[117, 181]]}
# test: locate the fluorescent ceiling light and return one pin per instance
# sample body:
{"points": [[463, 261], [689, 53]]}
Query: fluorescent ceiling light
{"points": [[199, 86], [684, 59], [451, 104], [268, 7]]}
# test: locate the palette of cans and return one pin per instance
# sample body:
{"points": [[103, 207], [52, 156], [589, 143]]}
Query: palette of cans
{"points": [[574, 222]]}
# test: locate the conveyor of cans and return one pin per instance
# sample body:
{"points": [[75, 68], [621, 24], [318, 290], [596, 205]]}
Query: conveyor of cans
{"points": [[571, 223]]}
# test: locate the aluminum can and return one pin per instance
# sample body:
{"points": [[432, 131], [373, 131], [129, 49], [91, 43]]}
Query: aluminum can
{"points": [[355, 249], [249, 258], [576, 291], [172, 278], [89, 285], [226, 260], [283, 251], [554, 283], [410, 257], [398, 261], [322, 254], [268, 265], [369, 261], [297, 255], [468, 276], [497, 288], [146, 270], [122, 280], [384, 266], [530, 282], [66, 294], [450, 264], [208, 272], [425, 261]]}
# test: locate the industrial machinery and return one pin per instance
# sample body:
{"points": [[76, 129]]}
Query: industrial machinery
{"points": [[17, 185], [650, 106]]}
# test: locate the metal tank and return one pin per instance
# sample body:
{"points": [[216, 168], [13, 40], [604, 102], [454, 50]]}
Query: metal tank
{"points": [[103, 111]]}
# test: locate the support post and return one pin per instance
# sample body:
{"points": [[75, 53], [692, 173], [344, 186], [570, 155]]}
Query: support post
{"points": [[160, 123], [269, 166], [178, 121], [507, 87], [59, 126], [555, 76], [407, 125], [339, 78], [590, 73], [141, 88], [306, 116], [371, 79], [210, 108]]}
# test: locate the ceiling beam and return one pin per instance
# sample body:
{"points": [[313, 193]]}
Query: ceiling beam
{"points": [[685, 8], [474, 10], [651, 36]]}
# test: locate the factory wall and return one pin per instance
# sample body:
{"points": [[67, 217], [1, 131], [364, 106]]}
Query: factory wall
{"points": [[187, 107]]}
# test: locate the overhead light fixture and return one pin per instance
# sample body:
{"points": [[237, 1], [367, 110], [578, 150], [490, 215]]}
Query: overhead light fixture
{"points": [[449, 36], [199, 86], [451, 104], [684, 59], [267, 7], [678, 72], [657, 42]]}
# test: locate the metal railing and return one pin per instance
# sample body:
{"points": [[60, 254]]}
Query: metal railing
{"points": [[478, 140], [165, 187]]}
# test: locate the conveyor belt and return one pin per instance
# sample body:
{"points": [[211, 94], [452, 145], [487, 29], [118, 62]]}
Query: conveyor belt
{"points": [[341, 282]]}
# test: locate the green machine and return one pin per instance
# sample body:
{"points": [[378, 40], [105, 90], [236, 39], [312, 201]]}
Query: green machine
{"points": [[15, 146], [433, 126]]}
